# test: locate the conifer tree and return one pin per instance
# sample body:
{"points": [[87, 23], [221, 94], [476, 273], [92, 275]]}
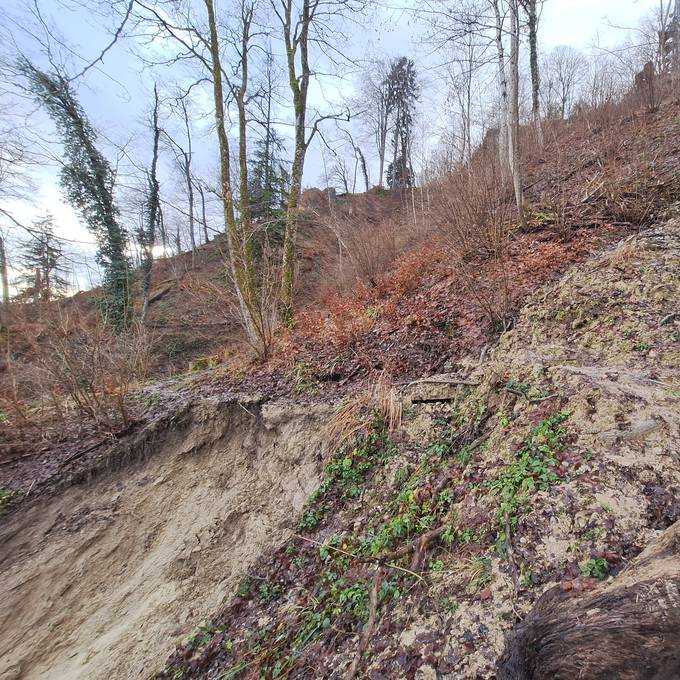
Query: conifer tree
{"points": [[42, 259], [403, 95]]}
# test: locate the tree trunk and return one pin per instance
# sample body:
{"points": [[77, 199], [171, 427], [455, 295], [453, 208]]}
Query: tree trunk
{"points": [[4, 277], [187, 157], [204, 217], [295, 36], [675, 77], [532, 16], [382, 150], [513, 146], [364, 168], [237, 253], [504, 126], [149, 240]]}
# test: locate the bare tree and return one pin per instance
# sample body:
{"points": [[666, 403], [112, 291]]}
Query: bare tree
{"points": [[4, 279], [513, 142], [530, 7], [238, 235], [303, 24], [186, 158], [467, 58], [563, 71], [375, 109]]}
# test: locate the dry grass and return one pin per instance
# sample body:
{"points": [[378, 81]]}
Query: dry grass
{"points": [[627, 251], [357, 414]]}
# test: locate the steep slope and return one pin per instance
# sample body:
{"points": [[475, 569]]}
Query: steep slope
{"points": [[96, 582], [553, 460]]}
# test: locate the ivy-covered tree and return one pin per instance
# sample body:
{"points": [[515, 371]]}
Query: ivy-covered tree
{"points": [[42, 259], [88, 183], [146, 234], [403, 93]]}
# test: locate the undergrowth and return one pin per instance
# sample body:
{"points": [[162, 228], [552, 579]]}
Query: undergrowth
{"points": [[319, 592]]}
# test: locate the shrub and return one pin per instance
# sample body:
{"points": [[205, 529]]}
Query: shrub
{"points": [[93, 369]]}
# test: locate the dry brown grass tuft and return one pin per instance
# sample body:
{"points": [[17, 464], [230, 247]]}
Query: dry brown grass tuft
{"points": [[356, 415], [627, 251]]}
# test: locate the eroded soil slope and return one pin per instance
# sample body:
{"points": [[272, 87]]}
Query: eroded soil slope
{"points": [[100, 581], [552, 460]]}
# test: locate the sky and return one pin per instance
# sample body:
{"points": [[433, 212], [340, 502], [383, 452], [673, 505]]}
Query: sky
{"points": [[116, 94]]}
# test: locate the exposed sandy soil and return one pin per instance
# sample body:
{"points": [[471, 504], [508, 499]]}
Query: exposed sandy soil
{"points": [[102, 580]]}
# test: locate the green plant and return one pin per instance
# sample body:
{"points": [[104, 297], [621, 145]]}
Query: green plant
{"points": [[310, 519], [595, 568], [449, 604], [6, 497], [243, 588], [267, 592], [356, 597], [150, 399], [534, 468], [525, 389], [437, 566], [302, 378], [480, 575], [464, 456], [201, 638], [4, 418]]}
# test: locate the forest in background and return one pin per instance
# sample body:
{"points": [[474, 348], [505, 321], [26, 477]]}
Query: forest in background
{"points": [[279, 269]]}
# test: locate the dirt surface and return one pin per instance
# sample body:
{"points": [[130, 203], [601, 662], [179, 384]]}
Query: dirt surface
{"points": [[102, 580]]}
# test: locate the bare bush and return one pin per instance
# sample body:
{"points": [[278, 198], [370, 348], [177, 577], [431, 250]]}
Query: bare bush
{"points": [[471, 209], [369, 233], [92, 369], [216, 303]]}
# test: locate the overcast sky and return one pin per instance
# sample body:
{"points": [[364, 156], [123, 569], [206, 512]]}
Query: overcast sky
{"points": [[116, 95]]}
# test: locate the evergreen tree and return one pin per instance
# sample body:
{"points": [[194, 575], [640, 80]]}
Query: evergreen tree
{"points": [[42, 258], [403, 93], [269, 181], [88, 181]]}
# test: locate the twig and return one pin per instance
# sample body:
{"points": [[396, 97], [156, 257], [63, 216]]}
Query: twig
{"points": [[369, 627], [382, 561], [30, 488], [668, 318], [536, 400], [9, 461], [511, 555], [424, 540]]}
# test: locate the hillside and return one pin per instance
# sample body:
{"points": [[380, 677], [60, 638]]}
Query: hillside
{"points": [[412, 548], [447, 443], [551, 462]]}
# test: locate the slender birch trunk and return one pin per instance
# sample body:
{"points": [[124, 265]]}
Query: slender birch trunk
{"points": [[504, 144]]}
